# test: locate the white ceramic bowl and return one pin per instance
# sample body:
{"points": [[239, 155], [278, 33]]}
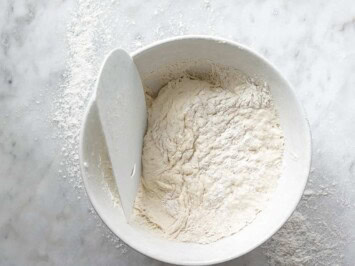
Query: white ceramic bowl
{"points": [[296, 161]]}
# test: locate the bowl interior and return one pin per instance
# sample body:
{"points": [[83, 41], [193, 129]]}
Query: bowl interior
{"points": [[296, 161]]}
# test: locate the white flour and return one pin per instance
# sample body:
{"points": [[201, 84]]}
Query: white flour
{"points": [[211, 158]]}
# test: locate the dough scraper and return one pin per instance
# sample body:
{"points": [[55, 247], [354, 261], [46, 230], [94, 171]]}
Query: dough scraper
{"points": [[123, 115]]}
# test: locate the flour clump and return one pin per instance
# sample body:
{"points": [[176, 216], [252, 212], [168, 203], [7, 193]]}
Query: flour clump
{"points": [[211, 159]]}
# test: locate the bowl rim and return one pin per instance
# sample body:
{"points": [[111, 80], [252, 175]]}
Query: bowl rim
{"points": [[308, 148]]}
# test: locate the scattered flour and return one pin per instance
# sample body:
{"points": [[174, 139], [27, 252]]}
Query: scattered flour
{"points": [[306, 238], [300, 243], [211, 157], [88, 40]]}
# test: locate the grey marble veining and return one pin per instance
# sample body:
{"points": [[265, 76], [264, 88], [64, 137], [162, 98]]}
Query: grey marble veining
{"points": [[42, 220]]}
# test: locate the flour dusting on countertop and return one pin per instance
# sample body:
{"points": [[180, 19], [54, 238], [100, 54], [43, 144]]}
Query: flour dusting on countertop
{"points": [[306, 238], [88, 40]]}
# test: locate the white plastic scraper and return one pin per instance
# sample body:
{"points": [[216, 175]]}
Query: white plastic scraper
{"points": [[123, 115]]}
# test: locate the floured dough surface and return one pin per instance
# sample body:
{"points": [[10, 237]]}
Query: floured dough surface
{"points": [[211, 158]]}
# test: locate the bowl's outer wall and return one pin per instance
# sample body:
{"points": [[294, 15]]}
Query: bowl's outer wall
{"points": [[296, 162]]}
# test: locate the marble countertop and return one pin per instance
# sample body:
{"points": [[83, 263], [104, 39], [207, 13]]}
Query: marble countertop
{"points": [[47, 219]]}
